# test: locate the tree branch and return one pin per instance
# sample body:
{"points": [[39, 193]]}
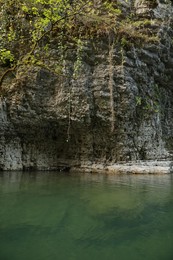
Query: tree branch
{"points": [[41, 37], [5, 73]]}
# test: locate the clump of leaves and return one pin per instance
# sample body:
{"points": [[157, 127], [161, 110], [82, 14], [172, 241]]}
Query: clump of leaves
{"points": [[6, 57], [30, 29]]}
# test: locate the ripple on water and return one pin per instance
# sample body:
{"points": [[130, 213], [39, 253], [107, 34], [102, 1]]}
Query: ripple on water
{"points": [[51, 216]]}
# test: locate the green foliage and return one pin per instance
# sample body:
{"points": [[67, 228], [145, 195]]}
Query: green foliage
{"points": [[78, 62], [149, 104], [6, 55], [31, 29], [138, 100]]}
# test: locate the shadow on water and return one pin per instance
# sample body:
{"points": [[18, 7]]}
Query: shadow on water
{"points": [[48, 215]]}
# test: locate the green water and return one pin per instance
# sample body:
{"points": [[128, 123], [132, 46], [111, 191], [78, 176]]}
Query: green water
{"points": [[49, 216]]}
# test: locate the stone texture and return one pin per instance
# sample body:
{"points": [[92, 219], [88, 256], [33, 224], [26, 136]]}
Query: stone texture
{"points": [[118, 109]]}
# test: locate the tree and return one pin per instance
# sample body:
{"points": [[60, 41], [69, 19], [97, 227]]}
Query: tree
{"points": [[31, 28]]}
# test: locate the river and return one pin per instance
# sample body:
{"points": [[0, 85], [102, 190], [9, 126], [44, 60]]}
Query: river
{"points": [[49, 216]]}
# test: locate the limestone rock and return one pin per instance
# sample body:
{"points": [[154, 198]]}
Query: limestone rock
{"points": [[118, 109]]}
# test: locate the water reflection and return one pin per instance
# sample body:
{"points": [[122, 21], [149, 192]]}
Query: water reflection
{"points": [[57, 216]]}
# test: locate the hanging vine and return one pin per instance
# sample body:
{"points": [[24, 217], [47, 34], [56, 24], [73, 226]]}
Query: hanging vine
{"points": [[111, 84], [28, 29]]}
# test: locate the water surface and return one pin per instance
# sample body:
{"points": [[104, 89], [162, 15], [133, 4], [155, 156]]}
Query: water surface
{"points": [[49, 216]]}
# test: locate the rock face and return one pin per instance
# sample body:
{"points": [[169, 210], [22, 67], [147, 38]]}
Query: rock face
{"points": [[119, 108]]}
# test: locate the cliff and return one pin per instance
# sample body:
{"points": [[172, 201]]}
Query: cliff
{"points": [[117, 110]]}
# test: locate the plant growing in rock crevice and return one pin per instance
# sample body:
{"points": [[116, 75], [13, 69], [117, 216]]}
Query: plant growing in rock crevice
{"points": [[111, 84], [31, 29]]}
